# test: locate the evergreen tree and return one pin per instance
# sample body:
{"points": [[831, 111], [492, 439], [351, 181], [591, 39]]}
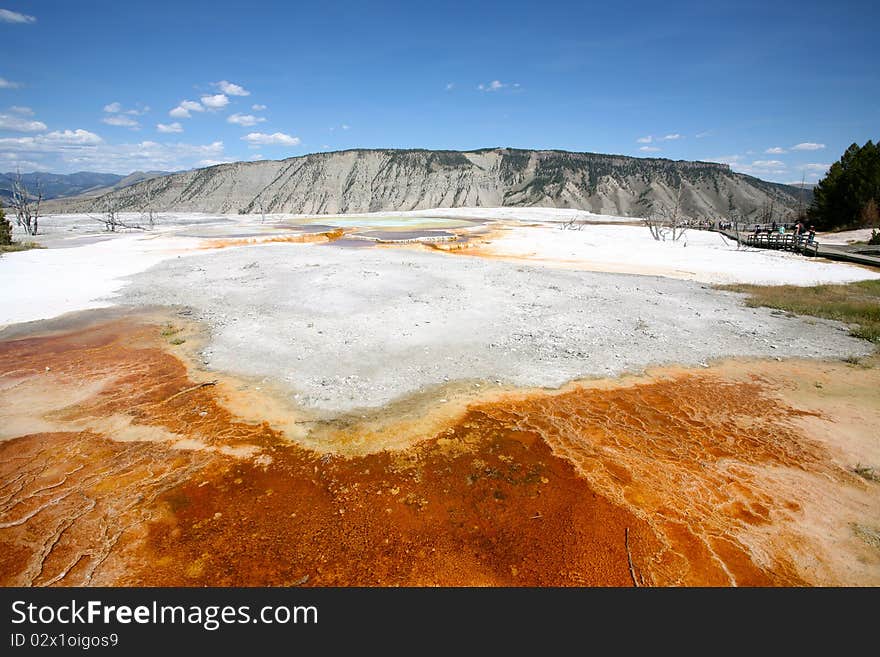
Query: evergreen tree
{"points": [[5, 228], [849, 195]]}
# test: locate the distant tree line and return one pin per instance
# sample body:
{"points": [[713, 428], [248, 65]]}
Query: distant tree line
{"points": [[849, 195]]}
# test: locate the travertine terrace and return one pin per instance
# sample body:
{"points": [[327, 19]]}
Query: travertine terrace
{"points": [[231, 402]]}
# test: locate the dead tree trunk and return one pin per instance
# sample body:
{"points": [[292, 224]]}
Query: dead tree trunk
{"points": [[112, 220], [26, 205], [668, 221], [148, 209]]}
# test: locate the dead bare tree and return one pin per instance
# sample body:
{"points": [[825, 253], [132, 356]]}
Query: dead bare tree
{"points": [[801, 214], [736, 222], [112, 218], [573, 224], [767, 214], [668, 222], [26, 205], [656, 227], [148, 207], [262, 211]]}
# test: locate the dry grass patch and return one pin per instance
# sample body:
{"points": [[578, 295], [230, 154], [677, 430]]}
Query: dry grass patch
{"points": [[857, 304]]}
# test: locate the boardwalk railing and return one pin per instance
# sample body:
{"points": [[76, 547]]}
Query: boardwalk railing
{"points": [[783, 242], [791, 242]]}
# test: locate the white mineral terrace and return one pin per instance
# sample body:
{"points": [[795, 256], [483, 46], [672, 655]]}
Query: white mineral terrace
{"points": [[342, 327]]}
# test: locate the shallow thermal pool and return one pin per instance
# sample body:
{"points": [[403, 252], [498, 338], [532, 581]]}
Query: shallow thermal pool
{"points": [[404, 235], [250, 230], [380, 223]]}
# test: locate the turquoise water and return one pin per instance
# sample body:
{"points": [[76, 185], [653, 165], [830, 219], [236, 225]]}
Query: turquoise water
{"points": [[389, 222]]}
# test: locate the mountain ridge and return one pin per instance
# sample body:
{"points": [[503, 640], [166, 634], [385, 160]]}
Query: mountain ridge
{"points": [[65, 185], [371, 180]]}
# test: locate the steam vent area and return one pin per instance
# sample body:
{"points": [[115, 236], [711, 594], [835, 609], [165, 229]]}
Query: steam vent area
{"points": [[452, 397]]}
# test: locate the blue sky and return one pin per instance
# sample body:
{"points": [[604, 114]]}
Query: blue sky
{"points": [[776, 89]]}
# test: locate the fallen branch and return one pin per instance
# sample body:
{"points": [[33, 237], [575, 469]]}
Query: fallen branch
{"points": [[190, 389], [632, 570], [112, 222]]}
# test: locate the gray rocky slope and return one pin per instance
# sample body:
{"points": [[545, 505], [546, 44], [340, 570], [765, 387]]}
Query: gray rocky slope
{"points": [[385, 179]]}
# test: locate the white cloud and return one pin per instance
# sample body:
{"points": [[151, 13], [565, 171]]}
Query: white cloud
{"points": [[73, 137], [776, 150], [18, 124], [450, 86], [50, 141], [8, 84], [278, 138], [121, 121], [649, 149], [648, 139], [77, 150], [257, 156], [495, 85], [116, 108], [7, 16], [813, 171], [726, 159], [258, 108], [16, 161], [169, 127], [210, 162], [21, 109], [183, 110], [231, 89], [705, 133], [345, 126], [215, 102], [808, 146], [755, 168], [245, 120]]}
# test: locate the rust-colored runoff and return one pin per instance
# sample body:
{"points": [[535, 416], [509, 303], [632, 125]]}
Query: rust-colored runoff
{"points": [[135, 475]]}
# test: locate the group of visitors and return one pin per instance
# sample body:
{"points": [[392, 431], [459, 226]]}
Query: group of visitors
{"points": [[802, 235], [799, 230]]}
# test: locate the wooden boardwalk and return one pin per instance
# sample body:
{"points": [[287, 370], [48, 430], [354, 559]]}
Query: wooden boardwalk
{"points": [[800, 244], [783, 242]]}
